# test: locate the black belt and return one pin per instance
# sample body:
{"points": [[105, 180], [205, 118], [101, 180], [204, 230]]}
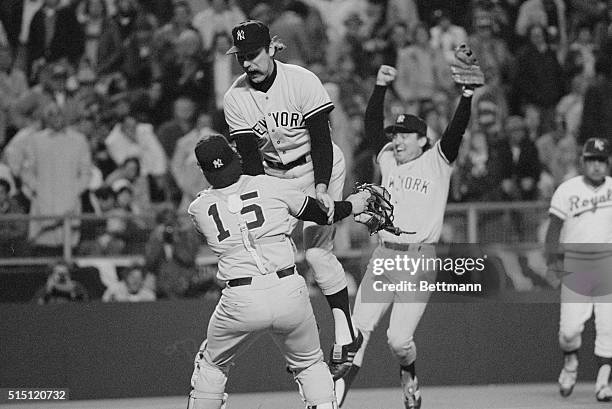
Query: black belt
{"points": [[286, 166], [402, 246], [236, 282]]}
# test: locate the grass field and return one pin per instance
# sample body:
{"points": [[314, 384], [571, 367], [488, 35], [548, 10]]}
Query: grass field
{"points": [[522, 396]]}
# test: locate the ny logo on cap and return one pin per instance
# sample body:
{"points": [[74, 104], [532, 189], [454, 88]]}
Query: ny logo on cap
{"points": [[240, 35], [217, 163], [599, 144], [400, 118]]}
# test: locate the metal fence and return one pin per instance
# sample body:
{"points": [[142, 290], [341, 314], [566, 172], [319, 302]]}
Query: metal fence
{"points": [[480, 222]]}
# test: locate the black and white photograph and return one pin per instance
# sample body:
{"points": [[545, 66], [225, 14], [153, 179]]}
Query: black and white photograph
{"points": [[319, 204]]}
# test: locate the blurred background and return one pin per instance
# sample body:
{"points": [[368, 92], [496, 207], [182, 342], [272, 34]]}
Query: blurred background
{"points": [[102, 102]]}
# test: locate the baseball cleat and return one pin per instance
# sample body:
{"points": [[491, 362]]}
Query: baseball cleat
{"points": [[343, 384], [567, 381], [342, 357], [410, 388], [604, 393]]}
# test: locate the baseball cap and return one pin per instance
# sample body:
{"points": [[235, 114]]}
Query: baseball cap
{"points": [[406, 123], [249, 36], [220, 164], [596, 148]]}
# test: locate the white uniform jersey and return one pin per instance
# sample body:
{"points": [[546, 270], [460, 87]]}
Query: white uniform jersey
{"points": [[419, 190], [277, 116], [585, 210], [268, 207]]}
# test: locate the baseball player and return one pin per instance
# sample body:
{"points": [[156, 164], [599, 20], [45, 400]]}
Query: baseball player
{"points": [[246, 221], [417, 176], [281, 112], [581, 208]]}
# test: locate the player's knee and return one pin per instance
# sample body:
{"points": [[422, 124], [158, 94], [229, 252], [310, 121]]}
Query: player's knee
{"points": [[328, 272], [404, 349], [569, 340], [207, 384], [316, 385]]}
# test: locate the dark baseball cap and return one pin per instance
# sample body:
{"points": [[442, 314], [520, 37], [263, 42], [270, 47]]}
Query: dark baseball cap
{"points": [[596, 148], [406, 123], [249, 36], [220, 164]]}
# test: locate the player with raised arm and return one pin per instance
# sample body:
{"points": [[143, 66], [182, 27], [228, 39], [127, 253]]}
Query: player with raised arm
{"points": [[281, 112], [581, 207], [246, 221], [417, 176]]}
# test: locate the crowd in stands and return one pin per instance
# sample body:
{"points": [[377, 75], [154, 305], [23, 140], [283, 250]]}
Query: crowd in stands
{"points": [[101, 102]]}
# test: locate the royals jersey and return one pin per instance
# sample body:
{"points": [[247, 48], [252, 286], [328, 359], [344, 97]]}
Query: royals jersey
{"points": [[585, 210], [267, 207], [277, 116], [419, 190]]}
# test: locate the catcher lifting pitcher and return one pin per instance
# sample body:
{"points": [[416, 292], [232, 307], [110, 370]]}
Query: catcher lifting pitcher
{"points": [[415, 179]]}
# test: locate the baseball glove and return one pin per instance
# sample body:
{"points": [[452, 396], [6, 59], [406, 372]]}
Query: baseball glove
{"points": [[465, 69], [379, 213]]}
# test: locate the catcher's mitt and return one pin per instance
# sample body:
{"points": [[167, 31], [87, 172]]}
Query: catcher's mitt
{"points": [[465, 69], [379, 213]]}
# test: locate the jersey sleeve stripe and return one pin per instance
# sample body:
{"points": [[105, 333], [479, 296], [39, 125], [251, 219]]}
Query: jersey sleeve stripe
{"points": [[302, 208], [558, 212], [327, 106], [442, 153], [241, 131]]}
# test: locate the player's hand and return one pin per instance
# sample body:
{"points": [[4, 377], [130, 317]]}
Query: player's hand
{"points": [[359, 201], [552, 276], [386, 75], [325, 201]]}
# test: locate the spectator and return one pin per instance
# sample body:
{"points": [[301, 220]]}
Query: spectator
{"points": [[126, 17], [397, 39], [13, 233], [171, 254], [161, 11], [220, 17], [60, 287], [581, 55], [563, 166], [526, 164], [139, 65], [349, 45], [55, 33], [547, 14], [420, 71], [493, 55], [539, 78], [188, 75], [16, 17], [402, 12], [547, 143], [479, 174], [224, 69], [102, 36], [182, 122], [446, 36], [184, 165], [290, 27], [13, 84], [130, 171], [129, 138], [166, 38], [571, 105], [597, 111], [130, 289], [58, 171], [52, 89]]}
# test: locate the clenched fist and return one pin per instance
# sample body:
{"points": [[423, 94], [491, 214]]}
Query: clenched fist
{"points": [[386, 75]]}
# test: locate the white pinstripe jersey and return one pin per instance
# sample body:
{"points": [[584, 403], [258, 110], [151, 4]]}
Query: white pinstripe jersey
{"points": [[269, 205], [419, 190], [585, 210], [277, 116]]}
